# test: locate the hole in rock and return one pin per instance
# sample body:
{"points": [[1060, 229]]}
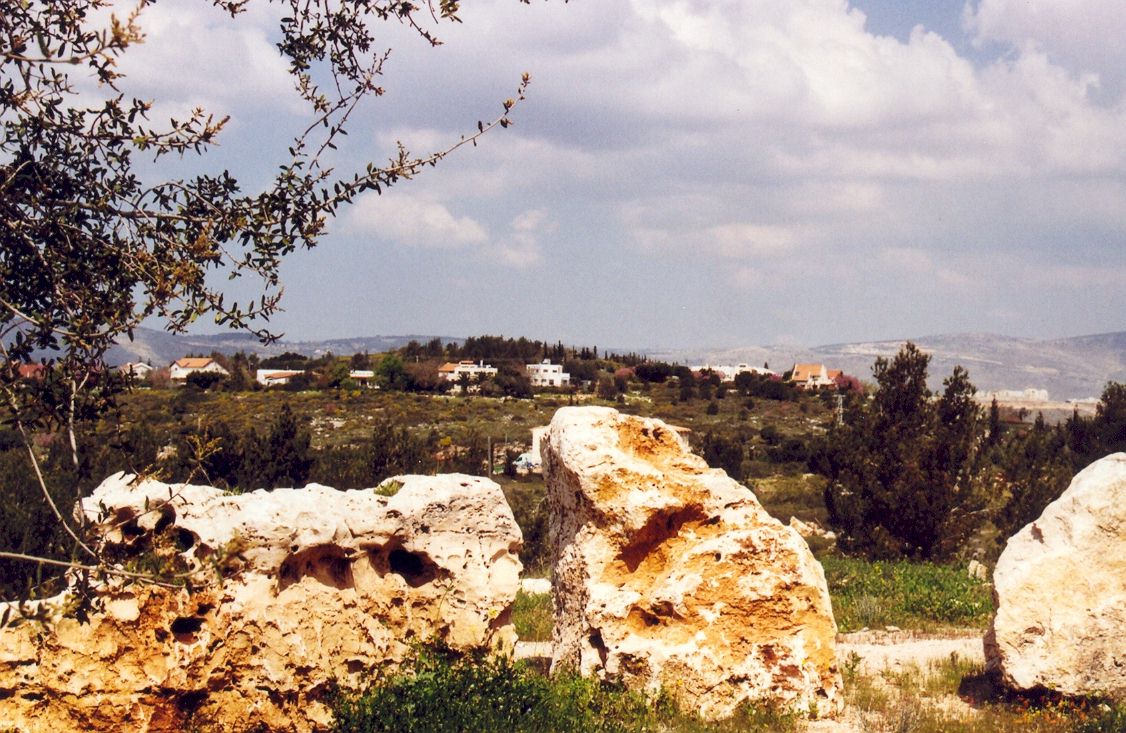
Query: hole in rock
{"points": [[167, 517], [186, 625], [660, 528], [599, 645], [123, 514], [415, 567], [190, 702], [185, 540], [185, 628], [131, 529], [641, 619], [327, 564]]}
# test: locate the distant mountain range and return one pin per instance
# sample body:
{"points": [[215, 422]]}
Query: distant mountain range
{"points": [[161, 348], [1069, 368]]}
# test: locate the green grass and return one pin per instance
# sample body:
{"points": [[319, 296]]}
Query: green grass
{"points": [[785, 496], [914, 595], [470, 694], [532, 616]]}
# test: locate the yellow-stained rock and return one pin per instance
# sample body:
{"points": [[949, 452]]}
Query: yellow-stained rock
{"points": [[330, 585], [670, 575]]}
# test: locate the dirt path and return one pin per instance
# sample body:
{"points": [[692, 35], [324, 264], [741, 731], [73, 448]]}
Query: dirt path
{"points": [[878, 653]]}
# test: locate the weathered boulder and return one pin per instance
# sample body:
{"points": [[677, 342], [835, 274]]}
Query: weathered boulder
{"points": [[1060, 591], [670, 575], [319, 585]]}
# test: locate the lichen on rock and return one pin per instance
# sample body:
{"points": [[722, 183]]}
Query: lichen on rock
{"points": [[670, 575]]}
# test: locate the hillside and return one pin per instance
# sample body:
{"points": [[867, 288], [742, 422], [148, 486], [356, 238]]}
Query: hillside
{"points": [[1069, 368], [162, 348]]}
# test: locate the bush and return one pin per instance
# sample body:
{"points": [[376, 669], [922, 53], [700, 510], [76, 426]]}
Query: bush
{"points": [[476, 693], [203, 380], [529, 507], [1107, 719], [722, 452], [445, 693]]}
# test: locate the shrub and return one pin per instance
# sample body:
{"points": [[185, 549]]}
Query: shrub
{"points": [[445, 693], [476, 693]]}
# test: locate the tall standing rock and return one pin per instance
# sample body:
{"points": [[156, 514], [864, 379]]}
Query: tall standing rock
{"points": [[669, 574], [322, 586], [1060, 591]]}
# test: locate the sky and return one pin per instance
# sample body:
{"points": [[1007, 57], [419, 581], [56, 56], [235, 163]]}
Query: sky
{"points": [[703, 173]]}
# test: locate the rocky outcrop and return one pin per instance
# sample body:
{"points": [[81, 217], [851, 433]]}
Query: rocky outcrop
{"points": [[318, 584], [1060, 591], [670, 575]]}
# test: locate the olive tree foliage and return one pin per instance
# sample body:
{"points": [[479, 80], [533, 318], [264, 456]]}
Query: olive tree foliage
{"points": [[91, 247]]}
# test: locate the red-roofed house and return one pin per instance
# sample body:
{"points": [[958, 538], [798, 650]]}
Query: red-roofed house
{"points": [[810, 376]]}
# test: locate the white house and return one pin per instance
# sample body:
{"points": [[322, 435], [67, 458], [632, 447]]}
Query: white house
{"points": [[274, 377], [179, 370], [728, 373], [546, 374], [452, 372], [362, 377], [136, 369]]}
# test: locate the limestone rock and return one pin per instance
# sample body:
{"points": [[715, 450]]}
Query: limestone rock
{"points": [[320, 585], [1060, 591], [671, 575], [536, 586], [811, 529]]}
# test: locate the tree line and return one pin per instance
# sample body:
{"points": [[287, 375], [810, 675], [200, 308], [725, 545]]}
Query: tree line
{"points": [[921, 475]]}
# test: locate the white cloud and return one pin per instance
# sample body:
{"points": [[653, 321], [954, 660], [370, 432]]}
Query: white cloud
{"points": [[196, 55], [522, 248], [742, 240], [1083, 35], [770, 146], [408, 220]]}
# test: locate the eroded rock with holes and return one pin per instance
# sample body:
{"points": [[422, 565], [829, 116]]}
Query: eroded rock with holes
{"points": [[1060, 591], [319, 585], [671, 575]]}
